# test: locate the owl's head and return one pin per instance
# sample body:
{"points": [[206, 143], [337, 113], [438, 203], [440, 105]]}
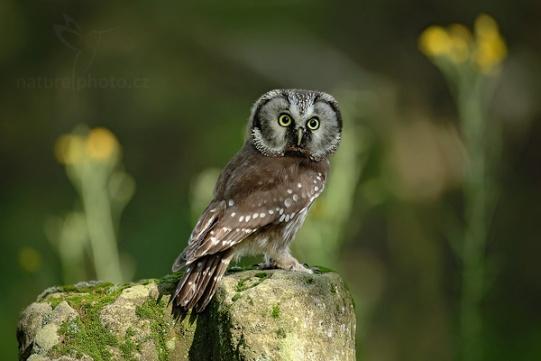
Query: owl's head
{"points": [[291, 122]]}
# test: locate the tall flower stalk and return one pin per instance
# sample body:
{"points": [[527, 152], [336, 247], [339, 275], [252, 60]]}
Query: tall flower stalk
{"points": [[470, 64], [92, 161]]}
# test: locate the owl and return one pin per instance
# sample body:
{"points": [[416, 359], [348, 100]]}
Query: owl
{"points": [[263, 195]]}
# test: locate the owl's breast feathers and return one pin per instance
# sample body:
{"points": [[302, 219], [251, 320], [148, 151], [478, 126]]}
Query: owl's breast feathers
{"points": [[253, 192]]}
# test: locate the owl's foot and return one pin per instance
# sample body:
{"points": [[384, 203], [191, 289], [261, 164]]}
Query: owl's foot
{"points": [[299, 267], [289, 263]]}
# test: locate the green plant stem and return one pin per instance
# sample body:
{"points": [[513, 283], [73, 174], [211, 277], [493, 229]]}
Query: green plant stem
{"points": [[475, 236], [100, 226]]}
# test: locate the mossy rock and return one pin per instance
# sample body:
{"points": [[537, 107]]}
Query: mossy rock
{"points": [[271, 315]]}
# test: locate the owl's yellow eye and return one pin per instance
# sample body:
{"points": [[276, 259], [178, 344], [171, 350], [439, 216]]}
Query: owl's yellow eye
{"points": [[313, 124], [284, 120]]}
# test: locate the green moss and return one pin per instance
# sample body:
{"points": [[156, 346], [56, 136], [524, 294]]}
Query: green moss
{"points": [[261, 275], [275, 313], [237, 268], [154, 312], [322, 269], [241, 345], [235, 297], [128, 347], [86, 287], [130, 332], [215, 337], [248, 282], [54, 301], [241, 284], [86, 335], [85, 338], [168, 283], [77, 295]]}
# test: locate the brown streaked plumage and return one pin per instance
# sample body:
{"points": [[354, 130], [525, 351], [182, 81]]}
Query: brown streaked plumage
{"points": [[264, 193]]}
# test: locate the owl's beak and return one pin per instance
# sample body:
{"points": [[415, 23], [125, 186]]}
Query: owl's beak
{"points": [[300, 134]]}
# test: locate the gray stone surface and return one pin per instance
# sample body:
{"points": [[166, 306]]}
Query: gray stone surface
{"points": [[255, 316]]}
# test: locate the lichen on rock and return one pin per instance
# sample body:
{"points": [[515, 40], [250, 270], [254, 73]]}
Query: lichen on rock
{"points": [[255, 315]]}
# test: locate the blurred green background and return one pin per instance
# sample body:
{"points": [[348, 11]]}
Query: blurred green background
{"points": [[173, 82]]}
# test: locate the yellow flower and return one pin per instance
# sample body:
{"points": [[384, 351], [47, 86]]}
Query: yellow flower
{"points": [[101, 144], [435, 41], [453, 43], [29, 259], [457, 45], [461, 41], [69, 149], [491, 48]]}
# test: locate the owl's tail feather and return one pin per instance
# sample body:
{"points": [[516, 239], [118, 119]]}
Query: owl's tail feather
{"points": [[196, 288]]}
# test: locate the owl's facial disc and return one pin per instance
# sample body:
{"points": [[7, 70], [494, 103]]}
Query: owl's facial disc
{"points": [[295, 123], [270, 126], [324, 128]]}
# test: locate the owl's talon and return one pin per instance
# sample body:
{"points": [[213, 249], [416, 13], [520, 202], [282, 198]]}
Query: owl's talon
{"points": [[295, 266], [301, 268]]}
